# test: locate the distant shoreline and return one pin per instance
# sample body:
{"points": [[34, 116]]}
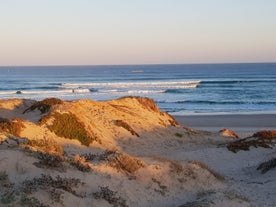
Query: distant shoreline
{"points": [[241, 123]]}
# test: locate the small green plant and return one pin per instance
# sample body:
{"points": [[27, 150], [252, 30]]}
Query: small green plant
{"points": [[178, 135], [67, 125], [266, 166], [31, 201], [8, 197], [3, 176], [111, 197], [47, 160], [48, 182]]}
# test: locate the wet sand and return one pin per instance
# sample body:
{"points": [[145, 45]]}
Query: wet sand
{"points": [[241, 123]]}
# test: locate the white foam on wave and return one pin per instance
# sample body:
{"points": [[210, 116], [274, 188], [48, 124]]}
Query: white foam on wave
{"points": [[158, 84], [81, 90]]}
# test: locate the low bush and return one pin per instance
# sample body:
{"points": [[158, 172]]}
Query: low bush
{"points": [[67, 125], [44, 105], [48, 182], [268, 165], [47, 160], [111, 197], [265, 141]]}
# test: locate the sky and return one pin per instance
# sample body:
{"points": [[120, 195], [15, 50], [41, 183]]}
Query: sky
{"points": [[96, 32]]}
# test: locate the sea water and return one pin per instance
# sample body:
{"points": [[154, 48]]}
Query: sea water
{"points": [[178, 89]]}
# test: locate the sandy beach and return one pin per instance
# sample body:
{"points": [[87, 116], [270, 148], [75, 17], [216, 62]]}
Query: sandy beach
{"points": [[128, 153], [244, 124]]}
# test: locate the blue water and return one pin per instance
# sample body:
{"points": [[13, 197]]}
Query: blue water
{"points": [[178, 89]]}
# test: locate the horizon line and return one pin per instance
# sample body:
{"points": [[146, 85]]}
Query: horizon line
{"points": [[138, 64]]}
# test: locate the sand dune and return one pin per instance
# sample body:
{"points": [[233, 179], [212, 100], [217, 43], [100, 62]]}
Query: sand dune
{"points": [[123, 152]]}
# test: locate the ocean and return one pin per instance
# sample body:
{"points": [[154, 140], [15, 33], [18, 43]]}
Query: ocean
{"points": [[177, 89]]}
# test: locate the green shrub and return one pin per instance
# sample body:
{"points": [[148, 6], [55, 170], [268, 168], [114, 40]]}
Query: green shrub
{"points": [[268, 165], [178, 135], [67, 125], [44, 105], [48, 182], [111, 197], [31, 201]]}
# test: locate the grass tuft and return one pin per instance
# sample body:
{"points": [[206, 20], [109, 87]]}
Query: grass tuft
{"points": [[13, 126], [126, 126], [67, 125]]}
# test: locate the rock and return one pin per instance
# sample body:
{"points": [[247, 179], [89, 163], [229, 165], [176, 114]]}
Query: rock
{"points": [[228, 133]]}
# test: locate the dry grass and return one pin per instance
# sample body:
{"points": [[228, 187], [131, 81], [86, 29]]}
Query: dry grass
{"points": [[125, 163], [206, 167], [13, 127], [44, 145], [126, 126]]}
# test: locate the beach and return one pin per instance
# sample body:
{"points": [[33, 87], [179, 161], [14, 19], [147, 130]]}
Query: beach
{"points": [[243, 124]]}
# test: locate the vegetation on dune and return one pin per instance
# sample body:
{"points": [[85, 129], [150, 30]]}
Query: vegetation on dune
{"points": [[44, 145], [13, 126], [125, 163], [266, 134], [111, 197], [265, 139], [44, 105], [47, 160], [268, 165], [126, 126], [80, 163], [47, 181], [120, 161], [206, 167], [67, 125]]}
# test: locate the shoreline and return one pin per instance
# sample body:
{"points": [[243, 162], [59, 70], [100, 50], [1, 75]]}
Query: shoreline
{"points": [[240, 123]]}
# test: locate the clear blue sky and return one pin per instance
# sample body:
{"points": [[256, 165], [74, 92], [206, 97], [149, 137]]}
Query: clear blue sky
{"points": [[83, 32]]}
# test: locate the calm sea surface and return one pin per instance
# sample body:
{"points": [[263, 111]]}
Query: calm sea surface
{"points": [[178, 89]]}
